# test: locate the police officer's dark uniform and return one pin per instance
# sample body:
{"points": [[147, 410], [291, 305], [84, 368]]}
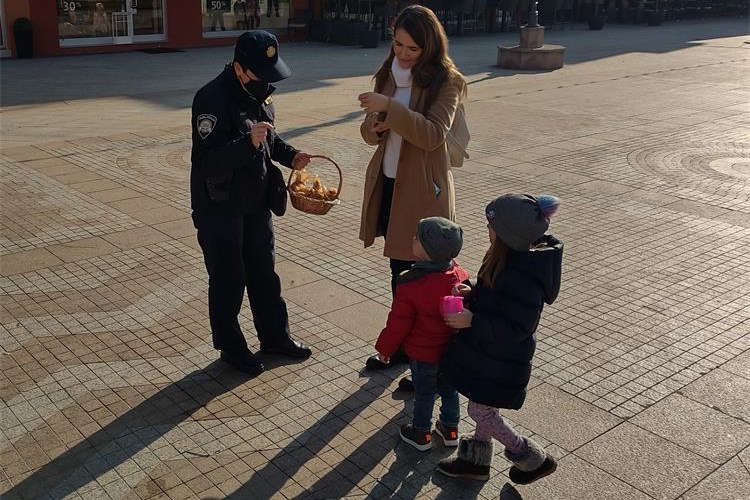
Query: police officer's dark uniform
{"points": [[234, 186]]}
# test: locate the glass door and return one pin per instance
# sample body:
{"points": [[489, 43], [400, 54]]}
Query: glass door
{"points": [[122, 22]]}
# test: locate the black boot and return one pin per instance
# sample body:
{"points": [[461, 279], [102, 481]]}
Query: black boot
{"points": [[406, 384], [243, 361], [472, 462], [534, 464], [374, 363]]}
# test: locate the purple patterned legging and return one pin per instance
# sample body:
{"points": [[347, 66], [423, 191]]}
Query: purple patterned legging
{"points": [[491, 425]]}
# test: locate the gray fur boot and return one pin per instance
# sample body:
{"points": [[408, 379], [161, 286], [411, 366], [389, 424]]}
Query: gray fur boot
{"points": [[475, 451], [473, 460], [534, 464]]}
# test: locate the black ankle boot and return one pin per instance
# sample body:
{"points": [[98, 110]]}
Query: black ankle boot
{"points": [[533, 464]]}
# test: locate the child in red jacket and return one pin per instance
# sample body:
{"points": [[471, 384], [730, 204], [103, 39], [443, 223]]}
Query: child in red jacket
{"points": [[416, 323]]}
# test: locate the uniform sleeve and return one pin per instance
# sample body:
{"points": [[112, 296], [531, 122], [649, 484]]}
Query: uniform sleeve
{"points": [[428, 131], [400, 321], [282, 152], [219, 151]]}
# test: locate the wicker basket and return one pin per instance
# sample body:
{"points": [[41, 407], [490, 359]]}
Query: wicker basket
{"points": [[312, 205]]}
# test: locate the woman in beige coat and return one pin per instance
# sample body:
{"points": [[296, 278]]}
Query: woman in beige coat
{"points": [[417, 91]]}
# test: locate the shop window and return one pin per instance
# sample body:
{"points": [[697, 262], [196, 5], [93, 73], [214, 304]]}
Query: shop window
{"points": [[232, 17], [110, 21], [2, 27]]}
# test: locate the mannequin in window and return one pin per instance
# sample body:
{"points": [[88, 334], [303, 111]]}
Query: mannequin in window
{"points": [[253, 12], [101, 24], [275, 7], [217, 8]]}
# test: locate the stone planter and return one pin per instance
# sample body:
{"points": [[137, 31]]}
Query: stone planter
{"points": [[347, 33], [655, 18], [597, 22], [369, 38], [23, 34], [320, 30]]}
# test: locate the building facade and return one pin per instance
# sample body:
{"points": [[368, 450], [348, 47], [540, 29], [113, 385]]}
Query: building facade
{"points": [[63, 27]]}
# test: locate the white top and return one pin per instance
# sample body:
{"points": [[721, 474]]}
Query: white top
{"points": [[402, 78]]}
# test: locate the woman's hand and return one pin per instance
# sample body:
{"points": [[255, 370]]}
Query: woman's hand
{"points": [[379, 127], [459, 320], [375, 126], [461, 290], [300, 161], [373, 102]]}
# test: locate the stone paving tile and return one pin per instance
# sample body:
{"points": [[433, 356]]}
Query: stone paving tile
{"points": [[731, 481], [110, 388], [582, 423], [703, 430], [577, 479], [646, 461], [724, 391], [362, 320]]}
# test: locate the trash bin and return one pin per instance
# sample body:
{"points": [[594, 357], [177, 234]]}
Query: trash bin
{"points": [[23, 34]]}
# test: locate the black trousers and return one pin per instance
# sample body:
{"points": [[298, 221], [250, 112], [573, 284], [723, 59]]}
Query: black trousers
{"points": [[397, 266], [239, 255]]}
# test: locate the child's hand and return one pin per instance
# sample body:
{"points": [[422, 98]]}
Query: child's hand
{"points": [[461, 290], [384, 359], [459, 320]]}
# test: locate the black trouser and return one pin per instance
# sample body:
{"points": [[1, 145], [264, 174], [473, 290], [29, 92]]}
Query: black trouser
{"points": [[397, 265], [217, 17], [239, 254], [275, 5]]}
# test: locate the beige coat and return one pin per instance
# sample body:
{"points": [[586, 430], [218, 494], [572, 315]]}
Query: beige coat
{"points": [[424, 182]]}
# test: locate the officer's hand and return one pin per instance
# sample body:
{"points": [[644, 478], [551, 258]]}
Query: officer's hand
{"points": [[258, 132], [372, 101], [300, 161], [384, 359]]}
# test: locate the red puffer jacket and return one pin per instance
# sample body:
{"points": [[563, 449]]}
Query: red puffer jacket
{"points": [[415, 320]]}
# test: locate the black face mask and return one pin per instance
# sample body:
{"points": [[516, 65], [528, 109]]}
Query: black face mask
{"points": [[257, 89]]}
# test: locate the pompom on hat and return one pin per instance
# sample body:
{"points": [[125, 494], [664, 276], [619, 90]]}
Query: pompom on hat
{"points": [[521, 219]]}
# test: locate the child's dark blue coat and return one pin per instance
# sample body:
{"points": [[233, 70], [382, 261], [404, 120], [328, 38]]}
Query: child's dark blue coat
{"points": [[490, 362]]}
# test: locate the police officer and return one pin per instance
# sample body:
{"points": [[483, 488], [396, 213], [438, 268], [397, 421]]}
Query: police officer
{"points": [[234, 186]]}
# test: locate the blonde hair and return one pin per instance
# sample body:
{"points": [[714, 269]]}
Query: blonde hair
{"points": [[493, 262], [434, 66]]}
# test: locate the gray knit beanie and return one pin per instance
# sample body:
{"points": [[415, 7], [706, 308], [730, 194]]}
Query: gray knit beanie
{"points": [[521, 219], [441, 238]]}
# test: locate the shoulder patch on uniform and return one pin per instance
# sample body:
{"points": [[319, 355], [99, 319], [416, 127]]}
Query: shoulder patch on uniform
{"points": [[205, 125]]}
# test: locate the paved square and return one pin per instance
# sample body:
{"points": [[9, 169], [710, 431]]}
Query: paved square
{"points": [[111, 389]]}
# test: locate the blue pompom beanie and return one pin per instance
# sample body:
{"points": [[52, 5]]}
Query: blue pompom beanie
{"points": [[521, 219]]}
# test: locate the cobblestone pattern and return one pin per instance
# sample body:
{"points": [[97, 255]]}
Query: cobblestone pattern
{"points": [[110, 387], [108, 347], [38, 211]]}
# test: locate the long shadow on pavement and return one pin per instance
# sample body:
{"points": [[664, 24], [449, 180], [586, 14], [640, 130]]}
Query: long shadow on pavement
{"points": [[268, 480], [132, 432]]}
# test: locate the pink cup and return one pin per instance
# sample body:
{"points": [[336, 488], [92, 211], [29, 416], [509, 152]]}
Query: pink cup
{"points": [[451, 304]]}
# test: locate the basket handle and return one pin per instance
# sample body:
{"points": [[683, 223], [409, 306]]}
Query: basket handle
{"points": [[341, 177]]}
